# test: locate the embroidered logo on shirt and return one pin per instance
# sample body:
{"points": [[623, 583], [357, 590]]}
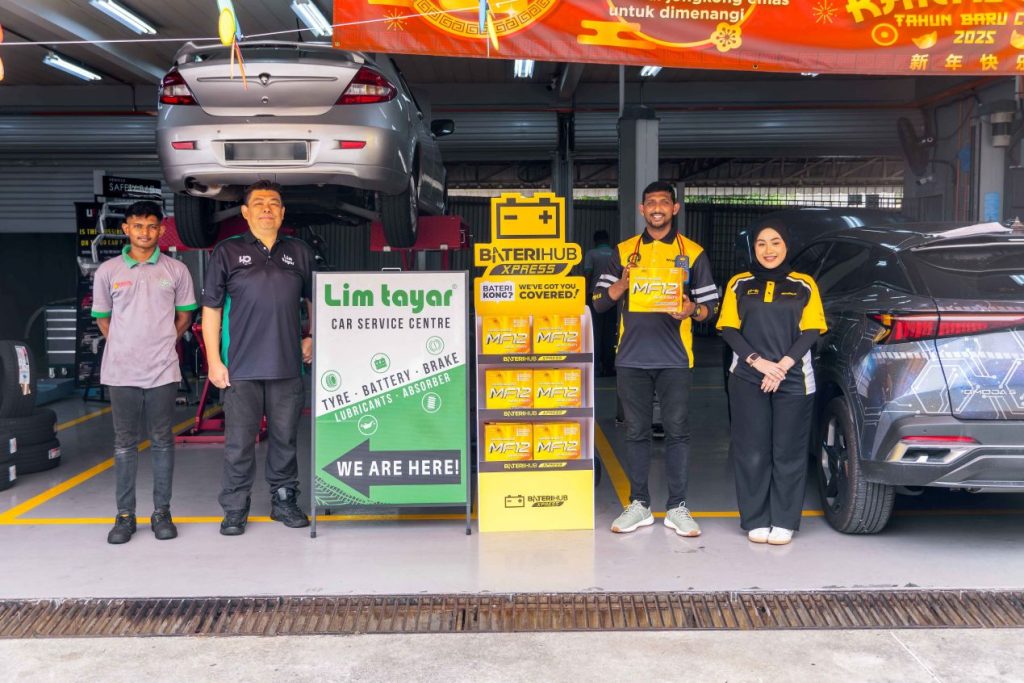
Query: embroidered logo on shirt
{"points": [[166, 284], [245, 260], [122, 284], [287, 260], [751, 292]]}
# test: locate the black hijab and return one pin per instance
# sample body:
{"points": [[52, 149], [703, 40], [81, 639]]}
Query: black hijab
{"points": [[780, 271]]}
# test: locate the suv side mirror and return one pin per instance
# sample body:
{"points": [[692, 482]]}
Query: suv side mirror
{"points": [[442, 127]]}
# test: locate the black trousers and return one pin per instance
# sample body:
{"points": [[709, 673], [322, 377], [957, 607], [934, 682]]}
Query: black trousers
{"points": [[636, 389], [245, 404], [770, 437]]}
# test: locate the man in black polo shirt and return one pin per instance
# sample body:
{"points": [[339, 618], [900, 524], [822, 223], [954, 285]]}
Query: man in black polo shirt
{"points": [[255, 352]]}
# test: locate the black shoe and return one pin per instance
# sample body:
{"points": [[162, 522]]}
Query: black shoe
{"points": [[285, 509], [235, 521], [162, 525], [124, 527]]}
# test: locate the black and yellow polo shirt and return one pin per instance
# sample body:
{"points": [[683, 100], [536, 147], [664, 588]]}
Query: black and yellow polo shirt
{"points": [[771, 316], [656, 340]]}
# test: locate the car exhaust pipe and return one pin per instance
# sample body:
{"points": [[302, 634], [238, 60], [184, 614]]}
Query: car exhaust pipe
{"points": [[198, 189]]}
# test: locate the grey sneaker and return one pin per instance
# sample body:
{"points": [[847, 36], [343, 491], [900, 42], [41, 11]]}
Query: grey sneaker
{"points": [[632, 518], [679, 519]]}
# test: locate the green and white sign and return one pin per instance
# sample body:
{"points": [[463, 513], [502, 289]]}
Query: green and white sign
{"points": [[390, 389]]}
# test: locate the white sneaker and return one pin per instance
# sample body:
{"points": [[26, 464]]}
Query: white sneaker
{"points": [[759, 535], [780, 536]]}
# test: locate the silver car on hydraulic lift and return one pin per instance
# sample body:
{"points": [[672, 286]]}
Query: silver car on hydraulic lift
{"points": [[340, 130]]}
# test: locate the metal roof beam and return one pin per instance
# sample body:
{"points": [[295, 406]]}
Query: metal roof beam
{"points": [[568, 80]]}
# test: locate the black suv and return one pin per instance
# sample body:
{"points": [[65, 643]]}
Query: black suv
{"points": [[921, 375]]}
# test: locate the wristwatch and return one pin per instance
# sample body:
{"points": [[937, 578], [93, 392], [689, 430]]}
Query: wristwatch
{"points": [[696, 311], [753, 358]]}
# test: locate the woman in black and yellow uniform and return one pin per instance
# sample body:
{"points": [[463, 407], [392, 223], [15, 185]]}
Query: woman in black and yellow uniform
{"points": [[770, 318]]}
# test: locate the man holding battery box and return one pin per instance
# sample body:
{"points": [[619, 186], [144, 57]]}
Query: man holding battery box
{"points": [[655, 355]]}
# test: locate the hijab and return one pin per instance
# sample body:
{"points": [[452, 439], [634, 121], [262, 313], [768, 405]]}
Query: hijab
{"points": [[780, 271]]}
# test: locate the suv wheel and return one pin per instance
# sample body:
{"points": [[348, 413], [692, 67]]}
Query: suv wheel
{"points": [[852, 504]]}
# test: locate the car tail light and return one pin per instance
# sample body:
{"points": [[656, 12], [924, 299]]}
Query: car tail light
{"points": [[351, 144], [900, 327], [174, 90], [368, 87], [184, 144]]}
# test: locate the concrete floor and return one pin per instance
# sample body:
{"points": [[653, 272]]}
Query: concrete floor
{"points": [[905, 656], [53, 527]]}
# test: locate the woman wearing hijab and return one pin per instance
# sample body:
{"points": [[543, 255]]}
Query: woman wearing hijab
{"points": [[771, 317]]}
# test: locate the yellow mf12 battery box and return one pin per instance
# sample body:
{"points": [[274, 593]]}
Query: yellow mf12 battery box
{"points": [[508, 441], [556, 441], [506, 334], [509, 388], [562, 388], [557, 334], [656, 290]]}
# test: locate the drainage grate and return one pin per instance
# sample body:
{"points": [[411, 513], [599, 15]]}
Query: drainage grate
{"points": [[300, 615]]}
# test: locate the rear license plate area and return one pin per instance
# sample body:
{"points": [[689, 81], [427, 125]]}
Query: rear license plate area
{"points": [[278, 151]]}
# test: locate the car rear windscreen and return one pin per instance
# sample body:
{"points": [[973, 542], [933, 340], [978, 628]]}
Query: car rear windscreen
{"points": [[993, 271]]}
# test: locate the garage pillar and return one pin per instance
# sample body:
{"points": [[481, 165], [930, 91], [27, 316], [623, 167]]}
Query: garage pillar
{"points": [[562, 171], [992, 136], [638, 164]]}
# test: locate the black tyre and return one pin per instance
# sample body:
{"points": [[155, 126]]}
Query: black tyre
{"points": [[44, 456], [17, 396], [400, 214], [33, 429], [852, 504], [193, 217], [8, 472]]}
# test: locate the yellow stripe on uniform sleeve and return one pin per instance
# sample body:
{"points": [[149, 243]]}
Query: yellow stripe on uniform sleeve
{"points": [[813, 317], [729, 315]]}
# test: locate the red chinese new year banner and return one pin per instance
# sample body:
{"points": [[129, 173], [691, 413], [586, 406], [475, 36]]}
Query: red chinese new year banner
{"points": [[883, 37]]}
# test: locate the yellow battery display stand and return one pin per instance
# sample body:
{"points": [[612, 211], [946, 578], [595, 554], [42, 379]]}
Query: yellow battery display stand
{"points": [[535, 372], [656, 290]]}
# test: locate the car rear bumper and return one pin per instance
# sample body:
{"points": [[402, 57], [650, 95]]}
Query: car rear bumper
{"points": [[382, 165], [987, 455]]}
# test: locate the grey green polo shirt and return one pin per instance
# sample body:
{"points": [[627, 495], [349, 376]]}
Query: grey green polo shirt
{"points": [[141, 300]]}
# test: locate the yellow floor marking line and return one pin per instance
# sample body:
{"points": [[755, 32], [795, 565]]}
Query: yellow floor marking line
{"points": [[620, 482], [85, 418], [9, 516]]}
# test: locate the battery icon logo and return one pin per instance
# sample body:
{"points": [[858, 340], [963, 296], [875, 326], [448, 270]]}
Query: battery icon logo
{"points": [[537, 217]]}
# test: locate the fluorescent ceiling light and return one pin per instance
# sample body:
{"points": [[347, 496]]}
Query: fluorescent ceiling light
{"points": [[123, 15], [312, 17], [58, 62], [650, 71], [523, 68]]}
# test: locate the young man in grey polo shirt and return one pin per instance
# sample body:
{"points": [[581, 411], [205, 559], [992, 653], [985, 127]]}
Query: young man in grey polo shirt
{"points": [[142, 302]]}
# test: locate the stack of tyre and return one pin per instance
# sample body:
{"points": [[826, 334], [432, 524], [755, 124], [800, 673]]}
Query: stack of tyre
{"points": [[28, 435]]}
